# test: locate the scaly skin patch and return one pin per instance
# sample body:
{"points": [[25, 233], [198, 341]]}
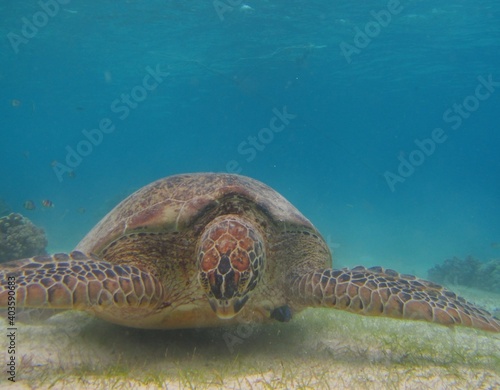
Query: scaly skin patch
{"points": [[78, 281], [231, 261], [383, 292]]}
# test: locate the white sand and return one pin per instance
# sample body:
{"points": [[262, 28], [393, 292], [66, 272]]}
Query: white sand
{"points": [[319, 349]]}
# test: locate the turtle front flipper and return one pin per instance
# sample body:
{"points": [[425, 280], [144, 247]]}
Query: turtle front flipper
{"points": [[383, 292], [77, 281]]}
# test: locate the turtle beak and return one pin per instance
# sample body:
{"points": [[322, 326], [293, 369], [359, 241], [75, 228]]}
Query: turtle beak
{"points": [[227, 308]]}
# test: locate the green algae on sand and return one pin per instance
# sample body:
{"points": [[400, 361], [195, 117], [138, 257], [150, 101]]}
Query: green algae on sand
{"points": [[318, 349]]}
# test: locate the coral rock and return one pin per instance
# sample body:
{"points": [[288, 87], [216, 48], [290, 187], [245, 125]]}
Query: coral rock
{"points": [[20, 238], [469, 272]]}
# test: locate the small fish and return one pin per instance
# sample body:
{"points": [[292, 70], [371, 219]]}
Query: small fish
{"points": [[246, 9], [108, 77], [71, 174], [47, 203], [81, 210], [29, 205], [15, 103]]}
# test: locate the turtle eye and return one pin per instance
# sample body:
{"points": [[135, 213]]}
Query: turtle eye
{"points": [[230, 260]]}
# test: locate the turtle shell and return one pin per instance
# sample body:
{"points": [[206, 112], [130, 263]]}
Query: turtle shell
{"points": [[179, 203]]}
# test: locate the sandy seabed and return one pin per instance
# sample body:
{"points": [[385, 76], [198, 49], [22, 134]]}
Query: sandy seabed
{"points": [[319, 349]]}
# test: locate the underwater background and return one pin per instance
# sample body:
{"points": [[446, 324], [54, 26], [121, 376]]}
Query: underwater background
{"points": [[378, 120], [389, 133]]}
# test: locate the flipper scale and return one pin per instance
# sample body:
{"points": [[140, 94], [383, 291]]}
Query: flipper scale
{"points": [[382, 292], [77, 281]]}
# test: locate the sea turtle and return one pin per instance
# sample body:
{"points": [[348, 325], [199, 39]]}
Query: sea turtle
{"points": [[205, 249]]}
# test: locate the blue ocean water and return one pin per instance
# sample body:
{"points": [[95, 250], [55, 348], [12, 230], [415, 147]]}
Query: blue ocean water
{"points": [[378, 121]]}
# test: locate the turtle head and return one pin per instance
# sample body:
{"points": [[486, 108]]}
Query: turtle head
{"points": [[230, 262]]}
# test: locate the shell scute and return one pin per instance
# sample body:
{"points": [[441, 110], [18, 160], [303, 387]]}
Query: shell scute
{"points": [[175, 203]]}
